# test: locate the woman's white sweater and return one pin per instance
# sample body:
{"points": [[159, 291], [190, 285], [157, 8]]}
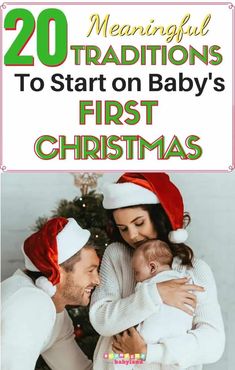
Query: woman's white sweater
{"points": [[115, 307]]}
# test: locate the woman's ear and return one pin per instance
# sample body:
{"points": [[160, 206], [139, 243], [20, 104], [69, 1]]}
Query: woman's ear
{"points": [[153, 267]]}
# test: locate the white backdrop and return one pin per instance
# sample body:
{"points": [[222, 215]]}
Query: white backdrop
{"points": [[210, 199]]}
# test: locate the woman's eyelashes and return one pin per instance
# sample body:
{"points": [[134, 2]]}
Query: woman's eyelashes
{"points": [[122, 229], [137, 224]]}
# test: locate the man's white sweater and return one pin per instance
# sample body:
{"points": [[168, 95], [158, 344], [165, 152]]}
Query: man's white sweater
{"points": [[31, 326], [116, 306]]}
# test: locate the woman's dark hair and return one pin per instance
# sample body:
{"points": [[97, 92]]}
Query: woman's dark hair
{"points": [[162, 225]]}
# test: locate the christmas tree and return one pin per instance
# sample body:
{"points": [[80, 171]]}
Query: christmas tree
{"points": [[87, 210]]}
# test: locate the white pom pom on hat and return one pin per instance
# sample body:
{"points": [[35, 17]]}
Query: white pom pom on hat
{"points": [[43, 283], [156, 188], [178, 236]]}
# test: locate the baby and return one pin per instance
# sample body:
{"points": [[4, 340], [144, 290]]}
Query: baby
{"points": [[151, 264]]}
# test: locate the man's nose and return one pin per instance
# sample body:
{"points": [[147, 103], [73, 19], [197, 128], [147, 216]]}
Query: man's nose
{"points": [[96, 279]]}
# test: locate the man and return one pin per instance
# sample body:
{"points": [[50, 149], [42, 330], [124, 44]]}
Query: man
{"points": [[61, 269]]}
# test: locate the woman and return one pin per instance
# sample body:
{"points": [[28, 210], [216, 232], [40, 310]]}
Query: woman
{"points": [[146, 206]]}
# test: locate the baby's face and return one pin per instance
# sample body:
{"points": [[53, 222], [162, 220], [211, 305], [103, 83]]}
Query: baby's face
{"points": [[141, 268]]}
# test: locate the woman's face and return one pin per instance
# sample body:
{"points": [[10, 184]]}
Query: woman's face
{"points": [[135, 225]]}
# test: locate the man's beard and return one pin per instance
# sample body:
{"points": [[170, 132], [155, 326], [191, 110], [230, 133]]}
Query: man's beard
{"points": [[72, 294]]}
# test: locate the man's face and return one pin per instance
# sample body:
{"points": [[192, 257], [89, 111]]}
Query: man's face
{"points": [[77, 285]]}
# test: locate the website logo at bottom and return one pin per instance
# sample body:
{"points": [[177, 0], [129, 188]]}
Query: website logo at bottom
{"points": [[125, 358]]}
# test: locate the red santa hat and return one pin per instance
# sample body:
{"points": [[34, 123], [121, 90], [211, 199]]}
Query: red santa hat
{"points": [[57, 241], [149, 188]]}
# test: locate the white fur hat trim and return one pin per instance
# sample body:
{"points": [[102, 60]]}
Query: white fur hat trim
{"points": [[127, 194], [43, 283], [70, 240]]}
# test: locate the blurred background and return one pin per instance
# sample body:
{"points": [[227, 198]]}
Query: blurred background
{"points": [[26, 198]]}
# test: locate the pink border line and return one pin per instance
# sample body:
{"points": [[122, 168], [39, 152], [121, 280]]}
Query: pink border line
{"points": [[233, 92], [1, 91], [115, 171], [229, 4], [119, 3]]}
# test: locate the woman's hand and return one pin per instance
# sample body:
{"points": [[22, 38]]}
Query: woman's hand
{"points": [[179, 294], [130, 341]]}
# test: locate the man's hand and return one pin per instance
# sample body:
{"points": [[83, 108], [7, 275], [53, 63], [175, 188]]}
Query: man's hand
{"points": [[129, 342]]}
